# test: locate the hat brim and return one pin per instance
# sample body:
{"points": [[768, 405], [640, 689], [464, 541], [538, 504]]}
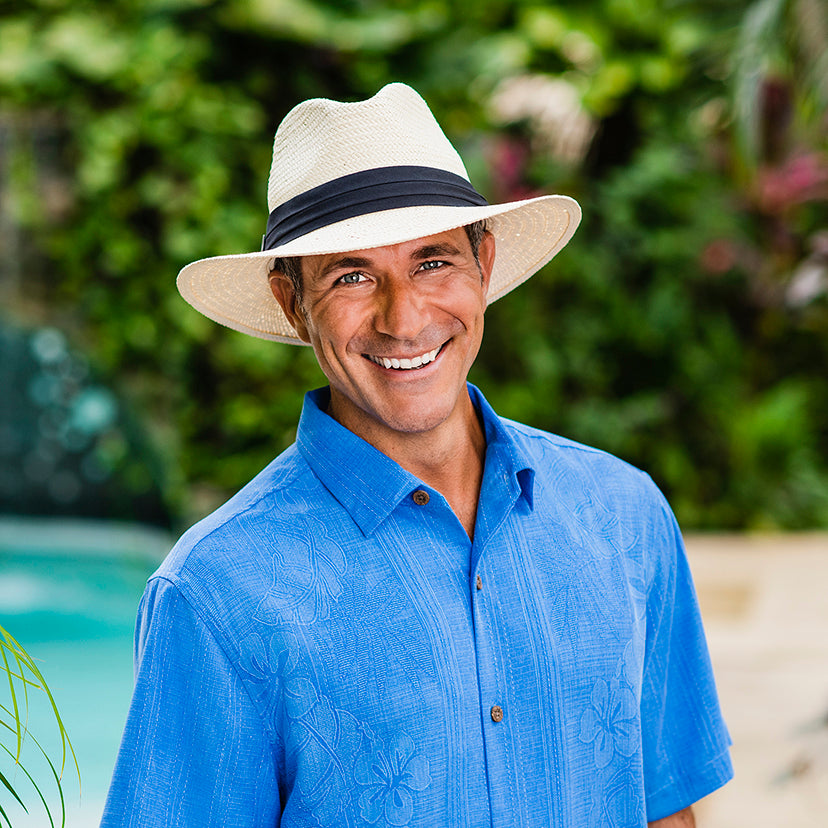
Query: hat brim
{"points": [[234, 290]]}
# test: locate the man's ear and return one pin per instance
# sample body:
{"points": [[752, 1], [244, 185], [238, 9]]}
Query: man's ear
{"points": [[285, 294], [486, 257]]}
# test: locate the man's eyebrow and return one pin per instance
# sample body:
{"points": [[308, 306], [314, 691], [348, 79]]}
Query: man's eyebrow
{"points": [[344, 263], [431, 251], [427, 251]]}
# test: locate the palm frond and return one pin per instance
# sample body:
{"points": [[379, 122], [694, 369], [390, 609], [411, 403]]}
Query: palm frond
{"points": [[811, 23], [757, 48], [24, 676]]}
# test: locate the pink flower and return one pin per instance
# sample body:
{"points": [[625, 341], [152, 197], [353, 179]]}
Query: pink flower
{"points": [[800, 179]]}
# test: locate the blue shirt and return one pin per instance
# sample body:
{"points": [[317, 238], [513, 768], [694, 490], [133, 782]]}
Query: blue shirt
{"points": [[330, 649]]}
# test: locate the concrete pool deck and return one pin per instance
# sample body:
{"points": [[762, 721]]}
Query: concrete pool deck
{"points": [[764, 600]]}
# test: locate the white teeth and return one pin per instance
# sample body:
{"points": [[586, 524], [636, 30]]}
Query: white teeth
{"points": [[406, 364]]}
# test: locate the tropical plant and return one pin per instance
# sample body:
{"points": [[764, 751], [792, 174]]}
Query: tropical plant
{"points": [[684, 328], [24, 677]]}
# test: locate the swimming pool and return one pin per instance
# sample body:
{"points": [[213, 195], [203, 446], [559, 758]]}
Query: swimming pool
{"points": [[68, 593]]}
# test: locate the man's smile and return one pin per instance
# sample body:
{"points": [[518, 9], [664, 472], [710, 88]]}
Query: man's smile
{"points": [[405, 364], [395, 330]]}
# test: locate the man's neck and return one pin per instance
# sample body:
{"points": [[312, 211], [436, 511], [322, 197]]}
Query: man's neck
{"points": [[449, 458], [452, 467]]}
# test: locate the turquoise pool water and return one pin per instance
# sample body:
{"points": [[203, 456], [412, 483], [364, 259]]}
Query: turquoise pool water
{"points": [[68, 593]]}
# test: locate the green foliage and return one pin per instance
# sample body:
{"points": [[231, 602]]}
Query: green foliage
{"points": [[24, 677], [673, 330]]}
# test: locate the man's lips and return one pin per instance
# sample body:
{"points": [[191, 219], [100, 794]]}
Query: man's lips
{"points": [[406, 363]]}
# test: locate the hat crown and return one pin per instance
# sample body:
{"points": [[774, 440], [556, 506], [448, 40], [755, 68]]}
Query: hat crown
{"points": [[321, 140], [352, 176]]}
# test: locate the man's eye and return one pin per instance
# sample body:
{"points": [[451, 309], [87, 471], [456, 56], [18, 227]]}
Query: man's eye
{"points": [[351, 279], [432, 264]]}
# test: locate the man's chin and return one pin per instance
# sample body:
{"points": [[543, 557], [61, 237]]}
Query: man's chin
{"points": [[410, 419]]}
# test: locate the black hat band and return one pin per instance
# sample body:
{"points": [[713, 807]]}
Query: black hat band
{"points": [[368, 191]]}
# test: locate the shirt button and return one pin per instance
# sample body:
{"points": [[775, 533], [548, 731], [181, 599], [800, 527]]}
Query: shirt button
{"points": [[497, 713], [479, 582], [420, 497]]}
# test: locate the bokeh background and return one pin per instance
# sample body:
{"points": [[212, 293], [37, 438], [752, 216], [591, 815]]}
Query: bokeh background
{"points": [[685, 327]]}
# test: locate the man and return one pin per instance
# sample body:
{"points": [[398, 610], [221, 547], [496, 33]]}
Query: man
{"points": [[420, 614]]}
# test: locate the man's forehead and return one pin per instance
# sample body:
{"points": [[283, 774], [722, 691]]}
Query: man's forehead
{"points": [[447, 242]]}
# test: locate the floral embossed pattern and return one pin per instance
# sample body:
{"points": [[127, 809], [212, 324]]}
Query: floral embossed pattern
{"points": [[609, 722], [389, 777], [319, 737], [621, 806], [339, 755], [303, 592]]}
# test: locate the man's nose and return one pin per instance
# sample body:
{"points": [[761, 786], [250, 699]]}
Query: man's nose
{"points": [[401, 311]]}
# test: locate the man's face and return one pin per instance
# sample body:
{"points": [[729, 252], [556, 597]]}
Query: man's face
{"points": [[395, 329]]}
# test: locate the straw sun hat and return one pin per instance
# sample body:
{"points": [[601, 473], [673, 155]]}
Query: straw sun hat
{"points": [[351, 176]]}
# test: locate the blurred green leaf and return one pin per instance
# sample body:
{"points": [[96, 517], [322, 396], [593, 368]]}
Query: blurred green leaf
{"points": [[136, 137]]}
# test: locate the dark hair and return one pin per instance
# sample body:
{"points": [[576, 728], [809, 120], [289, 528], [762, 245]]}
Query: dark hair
{"points": [[291, 266], [475, 232]]}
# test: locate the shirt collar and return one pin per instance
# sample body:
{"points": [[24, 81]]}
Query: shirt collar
{"points": [[503, 450], [368, 483]]}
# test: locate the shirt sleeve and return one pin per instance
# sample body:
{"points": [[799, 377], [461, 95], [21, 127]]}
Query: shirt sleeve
{"points": [[195, 750], [686, 743]]}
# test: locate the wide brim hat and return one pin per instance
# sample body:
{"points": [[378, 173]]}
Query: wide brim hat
{"points": [[353, 176]]}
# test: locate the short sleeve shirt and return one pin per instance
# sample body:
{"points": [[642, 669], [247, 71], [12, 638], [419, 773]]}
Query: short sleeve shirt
{"points": [[329, 648]]}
